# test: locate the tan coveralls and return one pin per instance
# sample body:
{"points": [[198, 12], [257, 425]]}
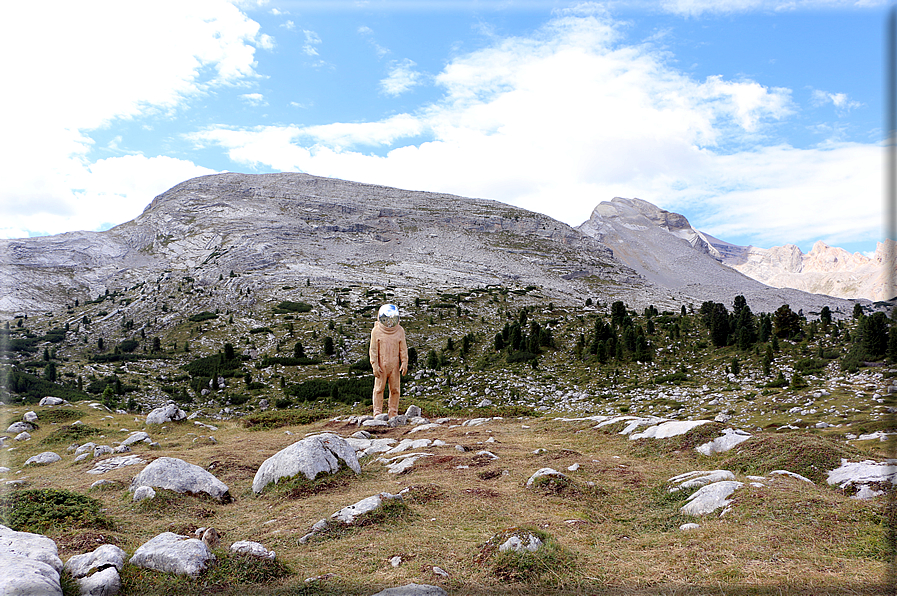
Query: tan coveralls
{"points": [[389, 359]]}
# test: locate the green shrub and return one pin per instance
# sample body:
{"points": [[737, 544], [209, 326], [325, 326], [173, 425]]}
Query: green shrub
{"points": [[59, 415], [40, 510], [203, 316], [807, 455], [71, 434], [288, 306], [551, 563], [275, 419]]}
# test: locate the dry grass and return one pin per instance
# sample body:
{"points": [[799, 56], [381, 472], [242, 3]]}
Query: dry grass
{"points": [[614, 519]]}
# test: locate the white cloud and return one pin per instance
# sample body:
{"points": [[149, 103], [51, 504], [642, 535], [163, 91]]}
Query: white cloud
{"points": [[111, 190], [89, 65], [311, 41], [254, 99], [568, 117], [840, 100], [698, 7], [288, 25], [402, 77]]}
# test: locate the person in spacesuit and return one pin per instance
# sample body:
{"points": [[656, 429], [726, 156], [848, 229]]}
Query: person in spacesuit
{"points": [[389, 358]]}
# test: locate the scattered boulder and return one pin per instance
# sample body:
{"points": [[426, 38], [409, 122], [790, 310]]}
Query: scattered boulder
{"points": [[30, 564], [791, 475], [413, 412], [23, 436], [254, 549], [413, 589], [113, 463], [310, 456], [173, 553], [85, 448], [47, 457], [101, 450], [182, 477], [19, 427], [30, 416], [53, 401], [709, 498], [167, 413]]}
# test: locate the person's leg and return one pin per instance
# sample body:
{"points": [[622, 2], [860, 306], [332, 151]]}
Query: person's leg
{"points": [[379, 383], [395, 380]]}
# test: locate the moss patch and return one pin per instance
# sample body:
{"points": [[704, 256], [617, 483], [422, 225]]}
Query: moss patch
{"points": [[39, 510]]}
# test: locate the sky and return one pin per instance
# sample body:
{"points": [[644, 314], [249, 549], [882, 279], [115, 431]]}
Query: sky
{"points": [[759, 120]]}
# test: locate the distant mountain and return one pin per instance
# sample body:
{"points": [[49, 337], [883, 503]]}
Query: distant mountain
{"points": [[243, 239], [824, 270]]}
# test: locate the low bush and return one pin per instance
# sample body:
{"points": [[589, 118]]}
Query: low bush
{"points": [[278, 418], [71, 434], [39, 510]]}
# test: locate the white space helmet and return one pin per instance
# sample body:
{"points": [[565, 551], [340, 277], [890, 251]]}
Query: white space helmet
{"points": [[388, 315]]}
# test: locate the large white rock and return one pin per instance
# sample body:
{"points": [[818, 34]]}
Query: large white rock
{"points": [[668, 429], [710, 498], [30, 416], [167, 413], [47, 457], [861, 475], [173, 553], [30, 564], [104, 556], [730, 438], [310, 456], [182, 477]]}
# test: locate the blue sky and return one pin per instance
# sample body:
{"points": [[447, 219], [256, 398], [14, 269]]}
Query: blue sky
{"points": [[760, 121]]}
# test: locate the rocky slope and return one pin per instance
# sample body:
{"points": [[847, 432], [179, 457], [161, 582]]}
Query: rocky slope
{"points": [[248, 234], [824, 270], [663, 248]]}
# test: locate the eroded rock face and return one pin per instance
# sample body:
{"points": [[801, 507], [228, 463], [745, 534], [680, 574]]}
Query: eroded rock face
{"points": [[173, 553], [30, 564], [319, 454], [182, 477]]}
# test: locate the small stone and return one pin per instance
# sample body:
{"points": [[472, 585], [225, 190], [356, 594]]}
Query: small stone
{"points": [[211, 538], [395, 561], [143, 492], [440, 571]]}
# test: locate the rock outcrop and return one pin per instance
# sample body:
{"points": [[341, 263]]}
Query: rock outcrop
{"points": [[173, 553], [30, 564]]}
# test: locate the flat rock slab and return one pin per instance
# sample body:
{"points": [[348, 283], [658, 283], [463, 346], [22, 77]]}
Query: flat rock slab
{"points": [[136, 437], [173, 553], [30, 564], [347, 515], [311, 456], [113, 463], [19, 427], [52, 401], [368, 446], [699, 478], [709, 498], [668, 429], [730, 438], [413, 590], [175, 474]]}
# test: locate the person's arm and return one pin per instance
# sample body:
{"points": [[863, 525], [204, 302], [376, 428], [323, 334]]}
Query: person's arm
{"points": [[374, 354], [403, 354]]}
